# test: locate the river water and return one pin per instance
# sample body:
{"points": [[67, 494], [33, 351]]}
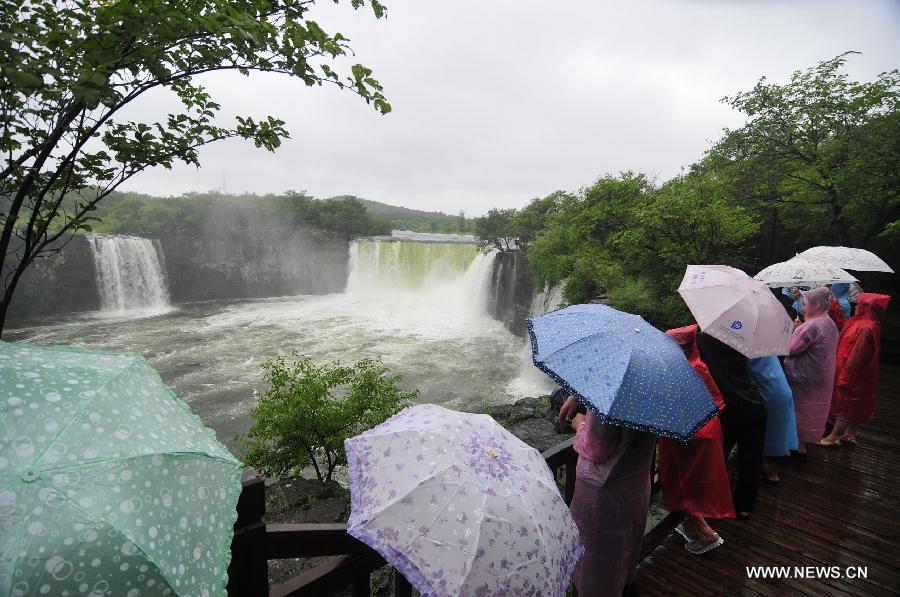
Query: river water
{"points": [[419, 306]]}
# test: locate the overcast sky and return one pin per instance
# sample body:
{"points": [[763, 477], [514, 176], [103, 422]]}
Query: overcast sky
{"points": [[499, 101]]}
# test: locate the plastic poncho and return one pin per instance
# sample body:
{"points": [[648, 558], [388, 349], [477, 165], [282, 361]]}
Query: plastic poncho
{"points": [[781, 422], [797, 305], [841, 292], [694, 476], [836, 313], [612, 497], [859, 349], [810, 366]]}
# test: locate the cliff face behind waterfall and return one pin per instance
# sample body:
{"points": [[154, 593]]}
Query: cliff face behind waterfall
{"points": [[250, 261], [242, 264], [511, 291]]}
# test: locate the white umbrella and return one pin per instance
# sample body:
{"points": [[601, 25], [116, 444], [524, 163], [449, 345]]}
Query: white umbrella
{"points": [[847, 258], [732, 307], [460, 506], [798, 272]]}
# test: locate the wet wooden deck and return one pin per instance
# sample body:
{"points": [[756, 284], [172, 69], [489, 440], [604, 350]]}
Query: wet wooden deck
{"points": [[840, 508]]}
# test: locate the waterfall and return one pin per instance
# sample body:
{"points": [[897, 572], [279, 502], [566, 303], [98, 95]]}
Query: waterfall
{"points": [[549, 299], [130, 273], [445, 282], [530, 377]]}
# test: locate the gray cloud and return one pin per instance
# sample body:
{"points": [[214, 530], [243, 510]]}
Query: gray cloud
{"points": [[498, 102]]}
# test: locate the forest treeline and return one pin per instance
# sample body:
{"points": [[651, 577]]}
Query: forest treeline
{"points": [[817, 162], [190, 214]]}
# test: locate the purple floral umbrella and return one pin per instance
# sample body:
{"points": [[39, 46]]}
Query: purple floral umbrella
{"points": [[460, 506]]}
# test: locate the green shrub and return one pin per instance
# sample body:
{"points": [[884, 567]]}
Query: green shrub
{"points": [[309, 410]]}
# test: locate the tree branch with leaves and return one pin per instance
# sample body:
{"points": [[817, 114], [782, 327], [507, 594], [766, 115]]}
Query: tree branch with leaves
{"points": [[68, 71]]}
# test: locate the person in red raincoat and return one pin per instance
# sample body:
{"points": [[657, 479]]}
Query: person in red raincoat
{"points": [[856, 369], [694, 476], [836, 313]]}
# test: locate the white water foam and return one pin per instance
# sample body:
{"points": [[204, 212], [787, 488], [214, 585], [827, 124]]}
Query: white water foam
{"points": [[532, 381]]}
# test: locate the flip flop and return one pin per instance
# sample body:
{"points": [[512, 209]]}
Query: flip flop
{"points": [[848, 440], [830, 444]]}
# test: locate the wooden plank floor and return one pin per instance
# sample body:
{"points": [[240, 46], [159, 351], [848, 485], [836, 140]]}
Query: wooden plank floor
{"points": [[841, 508]]}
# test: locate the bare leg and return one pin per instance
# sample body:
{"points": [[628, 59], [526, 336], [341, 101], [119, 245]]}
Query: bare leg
{"points": [[770, 470], [840, 427], [849, 433], [699, 525]]}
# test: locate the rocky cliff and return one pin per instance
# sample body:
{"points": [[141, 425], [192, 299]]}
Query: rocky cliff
{"points": [[240, 264], [511, 291]]}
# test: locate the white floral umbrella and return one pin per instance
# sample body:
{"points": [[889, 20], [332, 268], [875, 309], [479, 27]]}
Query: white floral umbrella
{"points": [[732, 307], [799, 272], [460, 506], [858, 260]]}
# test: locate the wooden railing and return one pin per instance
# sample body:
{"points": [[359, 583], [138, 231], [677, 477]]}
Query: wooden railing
{"points": [[255, 543]]}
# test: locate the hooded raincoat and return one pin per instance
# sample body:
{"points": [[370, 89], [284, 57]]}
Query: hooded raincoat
{"points": [[693, 475], [743, 419], [859, 349], [810, 366], [796, 306], [612, 496], [781, 422], [841, 292]]}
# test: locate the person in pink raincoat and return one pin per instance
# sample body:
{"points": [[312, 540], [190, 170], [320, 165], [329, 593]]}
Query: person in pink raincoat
{"points": [[810, 367], [612, 497]]}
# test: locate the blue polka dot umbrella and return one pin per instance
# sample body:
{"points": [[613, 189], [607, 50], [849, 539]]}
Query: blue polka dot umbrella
{"points": [[622, 368], [108, 484]]}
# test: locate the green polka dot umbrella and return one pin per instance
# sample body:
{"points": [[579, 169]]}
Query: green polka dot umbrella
{"points": [[108, 484]]}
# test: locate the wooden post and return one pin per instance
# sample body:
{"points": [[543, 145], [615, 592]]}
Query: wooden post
{"points": [[248, 573], [402, 588], [361, 586], [571, 464]]}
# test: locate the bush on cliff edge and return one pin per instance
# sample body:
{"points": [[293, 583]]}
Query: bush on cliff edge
{"points": [[309, 410]]}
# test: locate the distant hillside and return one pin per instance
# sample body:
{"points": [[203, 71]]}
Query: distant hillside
{"points": [[403, 218]]}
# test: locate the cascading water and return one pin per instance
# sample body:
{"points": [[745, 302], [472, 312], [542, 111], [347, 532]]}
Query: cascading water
{"points": [[130, 273], [421, 286], [530, 377]]}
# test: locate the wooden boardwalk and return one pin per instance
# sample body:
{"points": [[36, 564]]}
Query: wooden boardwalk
{"points": [[841, 508]]}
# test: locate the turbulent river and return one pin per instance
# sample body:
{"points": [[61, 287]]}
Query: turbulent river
{"points": [[419, 306]]}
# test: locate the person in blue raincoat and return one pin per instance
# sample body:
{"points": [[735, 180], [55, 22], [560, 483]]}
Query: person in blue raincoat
{"points": [[841, 292], [781, 422], [796, 310]]}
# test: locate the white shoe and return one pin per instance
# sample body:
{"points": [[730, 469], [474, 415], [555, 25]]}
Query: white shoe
{"points": [[684, 532]]}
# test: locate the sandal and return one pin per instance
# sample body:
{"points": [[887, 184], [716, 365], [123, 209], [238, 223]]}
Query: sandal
{"points": [[848, 440], [833, 443]]}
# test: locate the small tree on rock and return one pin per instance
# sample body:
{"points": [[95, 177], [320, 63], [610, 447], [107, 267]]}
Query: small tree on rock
{"points": [[309, 410]]}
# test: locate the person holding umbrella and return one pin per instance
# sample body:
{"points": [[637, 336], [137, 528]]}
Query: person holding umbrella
{"points": [[611, 500], [693, 475], [810, 367], [743, 418], [635, 384], [739, 318]]}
